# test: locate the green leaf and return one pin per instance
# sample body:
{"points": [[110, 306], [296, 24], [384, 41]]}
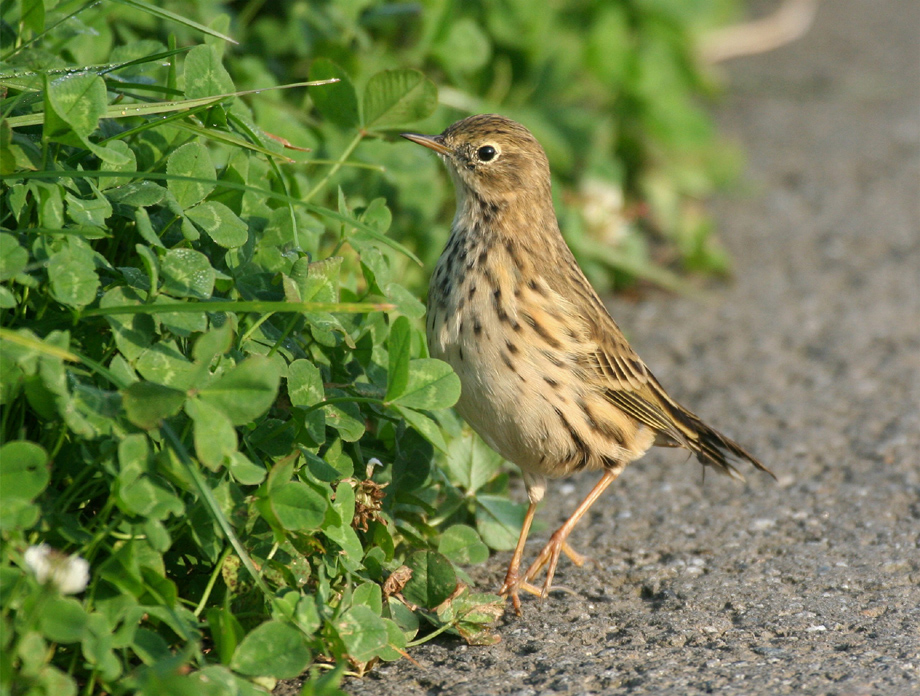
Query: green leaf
{"points": [[471, 462], [191, 160], [338, 102], [73, 276], [304, 383], [23, 471], [220, 223], [205, 75], [317, 281], [215, 342], [165, 364], [129, 165], [433, 579], [297, 506], [306, 615], [425, 426], [305, 388], [466, 47], [398, 97], [187, 273], [431, 384], [369, 594], [146, 404], [272, 649], [73, 106], [346, 418], [89, 212], [63, 620], [214, 434], [499, 521], [245, 471], [363, 632], [13, 258], [23, 476], [226, 632], [245, 392], [342, 533], [462, 545], [133, 333], [396, 642], [399, 350]]}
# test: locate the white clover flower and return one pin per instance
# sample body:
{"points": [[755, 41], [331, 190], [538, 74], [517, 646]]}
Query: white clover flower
{"points": [[372, 464], [69, 574]]}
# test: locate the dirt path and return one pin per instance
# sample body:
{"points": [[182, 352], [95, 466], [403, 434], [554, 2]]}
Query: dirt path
{"points": [[812, 359]]}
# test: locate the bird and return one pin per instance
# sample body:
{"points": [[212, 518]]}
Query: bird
{"points": [[547, 377]]}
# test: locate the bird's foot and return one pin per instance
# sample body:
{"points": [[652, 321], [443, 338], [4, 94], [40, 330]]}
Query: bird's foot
{"points": [[513, 584], [548, 556]]}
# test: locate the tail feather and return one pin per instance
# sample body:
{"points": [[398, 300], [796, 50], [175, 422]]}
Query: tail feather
{"points": [[711, 447]]}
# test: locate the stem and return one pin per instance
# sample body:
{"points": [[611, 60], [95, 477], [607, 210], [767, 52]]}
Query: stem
{"points": [[214, 506], [344, 400], [338, 165], [212, 580]]}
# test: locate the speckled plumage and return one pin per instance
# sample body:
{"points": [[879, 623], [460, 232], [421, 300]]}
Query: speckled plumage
{"points": [[548, 380]]}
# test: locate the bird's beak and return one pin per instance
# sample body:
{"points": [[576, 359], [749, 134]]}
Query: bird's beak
{"points": [[432, 142]]}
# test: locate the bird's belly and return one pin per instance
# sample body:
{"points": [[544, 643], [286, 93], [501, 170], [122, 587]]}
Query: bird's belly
{"points": [[507, 397]]}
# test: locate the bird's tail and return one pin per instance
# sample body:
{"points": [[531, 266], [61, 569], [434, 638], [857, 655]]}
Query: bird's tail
{"points": [[711, 447]]}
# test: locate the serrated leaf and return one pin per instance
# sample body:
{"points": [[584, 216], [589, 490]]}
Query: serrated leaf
{"points": [[398, 97]]}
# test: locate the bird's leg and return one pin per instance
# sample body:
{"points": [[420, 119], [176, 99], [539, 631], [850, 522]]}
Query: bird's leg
{"points": [[513, 581], [578, 559], [549, 556]]}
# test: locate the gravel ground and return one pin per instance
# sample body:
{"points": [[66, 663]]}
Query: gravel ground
{"points": [[811, 358]]}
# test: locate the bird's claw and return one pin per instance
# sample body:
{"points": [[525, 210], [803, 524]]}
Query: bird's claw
{"points": [[549, 555]]}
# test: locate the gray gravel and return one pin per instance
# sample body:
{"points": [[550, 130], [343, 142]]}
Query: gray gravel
{"points": [[811, 357]]}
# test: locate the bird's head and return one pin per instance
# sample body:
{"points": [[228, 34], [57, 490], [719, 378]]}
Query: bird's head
{"points": [[491, 157]]}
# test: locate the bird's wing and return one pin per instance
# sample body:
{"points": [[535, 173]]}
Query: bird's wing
{"points": [[628, 384]]}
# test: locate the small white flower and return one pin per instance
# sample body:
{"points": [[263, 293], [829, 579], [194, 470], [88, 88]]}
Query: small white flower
{"points": [[69, 574], [372, 464]]}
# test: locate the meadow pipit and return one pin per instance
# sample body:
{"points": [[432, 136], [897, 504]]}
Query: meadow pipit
{"points": [[548, 380]]}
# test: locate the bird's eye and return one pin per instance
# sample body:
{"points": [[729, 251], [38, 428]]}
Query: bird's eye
{"points": [[486, 153]]}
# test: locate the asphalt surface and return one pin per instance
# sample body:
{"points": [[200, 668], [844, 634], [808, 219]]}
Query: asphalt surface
{"points": [[811, 358]]}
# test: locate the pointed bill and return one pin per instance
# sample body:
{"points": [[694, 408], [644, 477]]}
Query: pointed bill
{"points": [[432, 142]]}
